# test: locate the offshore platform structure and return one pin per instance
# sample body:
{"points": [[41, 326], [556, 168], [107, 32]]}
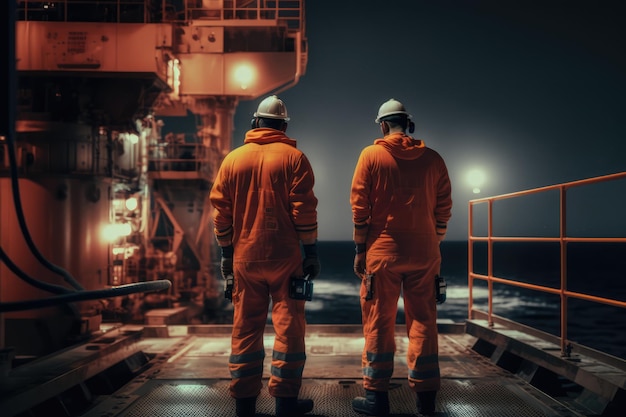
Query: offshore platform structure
{"points": [[109, 192]]}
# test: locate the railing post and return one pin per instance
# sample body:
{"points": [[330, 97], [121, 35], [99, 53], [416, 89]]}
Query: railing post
{"points": [[562, 290], [563, 244], [470, 259], [490, 262]]}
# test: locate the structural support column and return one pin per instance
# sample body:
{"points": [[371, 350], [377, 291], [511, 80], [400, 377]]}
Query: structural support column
{"points": [[8, 95]]}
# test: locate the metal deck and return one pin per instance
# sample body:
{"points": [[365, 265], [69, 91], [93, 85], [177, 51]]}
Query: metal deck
{"points": [[182, 371]]}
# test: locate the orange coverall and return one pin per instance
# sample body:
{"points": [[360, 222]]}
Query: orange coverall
{"points": [[264, 205], [401, 198]]}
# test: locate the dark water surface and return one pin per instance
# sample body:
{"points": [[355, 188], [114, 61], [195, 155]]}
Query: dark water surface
{"points": [[597, 269]]}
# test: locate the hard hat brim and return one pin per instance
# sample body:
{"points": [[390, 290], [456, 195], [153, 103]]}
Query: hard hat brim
{"points": [[381, 117], [270, 116]]}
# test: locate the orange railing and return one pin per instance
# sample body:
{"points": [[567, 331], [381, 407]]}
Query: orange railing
{"points": [[287, 12], [118, 11], [562, 291]]}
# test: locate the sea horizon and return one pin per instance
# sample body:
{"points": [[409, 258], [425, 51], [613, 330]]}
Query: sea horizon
{"points": [[592, 268]]}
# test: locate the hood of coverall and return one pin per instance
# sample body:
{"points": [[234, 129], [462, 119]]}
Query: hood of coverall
{"points": [[402, 146], [263, 135]]}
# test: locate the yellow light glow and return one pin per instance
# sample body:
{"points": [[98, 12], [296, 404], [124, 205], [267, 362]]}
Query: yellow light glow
{"points": [[173, 77], [131, 203], [130, 250], [112, 232], [118, 204], [244, 75], [118, 250], [476, 177]]}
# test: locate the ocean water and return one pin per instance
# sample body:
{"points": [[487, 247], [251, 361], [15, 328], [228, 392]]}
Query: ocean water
{"points": [[594, 269]]}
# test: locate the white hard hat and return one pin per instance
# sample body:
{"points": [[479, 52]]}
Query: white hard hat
{"points": [[389, 108], [272, 108]]}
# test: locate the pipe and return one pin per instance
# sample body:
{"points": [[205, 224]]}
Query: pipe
{"points": [[86, 295]]}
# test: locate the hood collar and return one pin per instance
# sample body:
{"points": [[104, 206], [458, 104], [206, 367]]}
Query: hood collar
{"points": [[402, 146], [264, 135]]}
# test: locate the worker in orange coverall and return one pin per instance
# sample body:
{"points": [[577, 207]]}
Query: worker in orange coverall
{"points": [[401, 203], [265, 208]]}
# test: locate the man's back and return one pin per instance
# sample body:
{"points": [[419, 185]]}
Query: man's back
{"points": [[401, 203], [405, 188], [268, 183]]}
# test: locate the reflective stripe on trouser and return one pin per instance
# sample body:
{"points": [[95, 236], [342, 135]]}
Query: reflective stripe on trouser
{"points": [[255, 283], [246, 371], [287, 370], [416, 281]]}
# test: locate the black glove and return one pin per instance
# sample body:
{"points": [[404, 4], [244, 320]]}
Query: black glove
{"points": [[226, 264], [359, 265], [311, 264], [359, 260]]}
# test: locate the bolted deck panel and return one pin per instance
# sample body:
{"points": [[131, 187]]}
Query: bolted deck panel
{"points": [[185, 373]]}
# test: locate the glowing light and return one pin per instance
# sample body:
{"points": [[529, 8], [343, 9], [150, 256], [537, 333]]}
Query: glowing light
{"points": [[118, 204], [127, 251], [118, 250], [112, 232], [130, 250], [131, 203], [244, 75], [475, 178], [133, 138], [173, 77]]}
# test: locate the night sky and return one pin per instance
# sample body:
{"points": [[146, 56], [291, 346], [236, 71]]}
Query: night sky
{"points": [[532, 93]]}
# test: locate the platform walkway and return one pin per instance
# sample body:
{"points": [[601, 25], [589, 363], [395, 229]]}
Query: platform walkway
{"points": [[181, 370], [192, 378]]}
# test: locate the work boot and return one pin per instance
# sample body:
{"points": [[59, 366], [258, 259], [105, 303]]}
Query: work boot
{"points": [[375, 403], [292, 406], [426, 403], [246, 407]]}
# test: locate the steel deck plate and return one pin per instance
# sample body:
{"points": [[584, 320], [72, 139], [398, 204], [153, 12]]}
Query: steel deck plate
{"points": [[190, 378]]}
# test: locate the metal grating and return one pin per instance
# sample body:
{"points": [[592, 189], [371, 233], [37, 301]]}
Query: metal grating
{"points": [[458, 398]]}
